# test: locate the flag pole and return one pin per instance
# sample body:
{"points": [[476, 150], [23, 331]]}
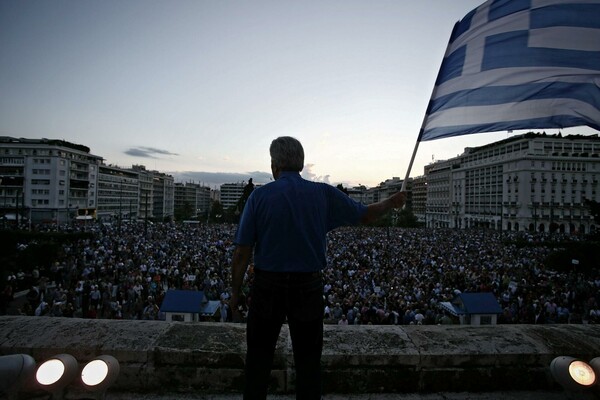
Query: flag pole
{"points": [[410, 164], [433, 91], [412, 158]]}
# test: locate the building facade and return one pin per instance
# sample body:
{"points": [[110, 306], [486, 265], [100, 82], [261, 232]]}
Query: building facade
{"points": [[419, 198], [54, 181], [531, 182], [146, 185], [231, 193], [47, 180], [118, 193], [192, 195], [163, 196]]}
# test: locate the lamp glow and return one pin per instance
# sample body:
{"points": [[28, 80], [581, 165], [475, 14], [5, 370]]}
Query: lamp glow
{"points": [[94, 372], [50, 372], [56, 373], [582, 373], [100, 373]]}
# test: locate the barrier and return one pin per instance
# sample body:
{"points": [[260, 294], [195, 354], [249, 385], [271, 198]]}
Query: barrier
{"points": [[179, 357]]}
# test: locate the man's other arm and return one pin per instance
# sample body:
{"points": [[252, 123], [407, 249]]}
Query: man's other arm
{"points": [[239, 264]]}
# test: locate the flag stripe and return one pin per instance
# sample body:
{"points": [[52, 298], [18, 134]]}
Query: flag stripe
{"points": [[512, 50], [485, 96], [486, 115], [502, 8], [585, 39], [575, 15], [557, 121], [515, 76]]}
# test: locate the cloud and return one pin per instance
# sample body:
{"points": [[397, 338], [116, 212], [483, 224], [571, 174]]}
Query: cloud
{"points": [[216, 179], [308, 174], [147, 152], [213, 179]]}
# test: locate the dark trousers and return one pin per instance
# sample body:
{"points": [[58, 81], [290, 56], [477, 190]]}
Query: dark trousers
{"points": [[275, 297]]}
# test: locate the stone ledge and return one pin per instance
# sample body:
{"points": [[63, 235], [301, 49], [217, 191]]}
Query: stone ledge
{"points": [[185, 357]]}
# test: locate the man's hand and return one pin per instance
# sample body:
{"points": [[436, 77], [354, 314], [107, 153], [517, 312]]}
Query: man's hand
{"points": [[397, 200], [376, 210], [239, 264], [236, 316]]}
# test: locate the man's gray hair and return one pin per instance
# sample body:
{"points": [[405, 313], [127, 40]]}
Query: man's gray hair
{"points": [[287, 154]]}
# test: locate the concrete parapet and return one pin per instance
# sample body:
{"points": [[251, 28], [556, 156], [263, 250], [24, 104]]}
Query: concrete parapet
{"points": [[184, 357]]}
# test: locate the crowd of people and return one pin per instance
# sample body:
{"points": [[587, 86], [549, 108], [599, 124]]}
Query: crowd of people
{"points": [[374, 275]]}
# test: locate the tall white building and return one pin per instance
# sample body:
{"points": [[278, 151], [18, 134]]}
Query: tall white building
{"points": [[47, 180], [529, 182], [118, 193], [231, 193], [163, 196], [54, 181], [192, 195]]}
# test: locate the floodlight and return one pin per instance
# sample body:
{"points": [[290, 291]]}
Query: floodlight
{"points": [[15, 370], [572, 374], [100, 373], [57, 373], [595, 364]]}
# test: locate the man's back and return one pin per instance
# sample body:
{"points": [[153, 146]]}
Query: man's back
{"points": [[288, 220]]}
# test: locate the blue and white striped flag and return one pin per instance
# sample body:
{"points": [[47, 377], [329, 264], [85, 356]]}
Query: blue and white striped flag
{"points": [[519, 64]]}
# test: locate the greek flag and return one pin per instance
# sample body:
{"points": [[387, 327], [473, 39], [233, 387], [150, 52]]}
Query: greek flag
{"points": [[519, 64]]}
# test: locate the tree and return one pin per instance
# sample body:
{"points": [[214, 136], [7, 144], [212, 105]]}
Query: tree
{"points": [[216, 211], [594, 207], [406, 218], [185, 212]]}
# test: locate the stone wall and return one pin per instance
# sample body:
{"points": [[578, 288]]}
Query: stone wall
{"points": [[179, 357]]}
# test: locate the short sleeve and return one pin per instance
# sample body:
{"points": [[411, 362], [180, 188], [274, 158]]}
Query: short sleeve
{"points": [[342, 210]]}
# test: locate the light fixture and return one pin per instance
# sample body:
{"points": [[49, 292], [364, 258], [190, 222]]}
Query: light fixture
{"points": [[56, 373], [595, 364], [573, 374], [15, 370], [100, 373]]}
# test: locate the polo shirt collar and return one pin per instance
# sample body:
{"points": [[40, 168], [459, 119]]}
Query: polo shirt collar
{"points": [[285, 174]]}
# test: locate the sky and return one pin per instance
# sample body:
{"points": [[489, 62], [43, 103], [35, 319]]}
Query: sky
{"points": [[199, 89]]}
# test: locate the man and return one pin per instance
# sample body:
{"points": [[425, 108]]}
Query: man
{"points": [[286, 222]]}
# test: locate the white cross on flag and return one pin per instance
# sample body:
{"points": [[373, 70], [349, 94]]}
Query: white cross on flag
{"points": [[519, 64]]}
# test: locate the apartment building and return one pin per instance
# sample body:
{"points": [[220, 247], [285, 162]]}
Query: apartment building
{"points": [[47, 180], [163, 188], [419, 197], [231, 193], [146, 186], [530, 182], [118, 193], [193, 195], [55, 181]]}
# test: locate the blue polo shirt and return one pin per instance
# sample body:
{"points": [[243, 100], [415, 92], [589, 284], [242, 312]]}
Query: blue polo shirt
{"points": [[287, 221]]}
